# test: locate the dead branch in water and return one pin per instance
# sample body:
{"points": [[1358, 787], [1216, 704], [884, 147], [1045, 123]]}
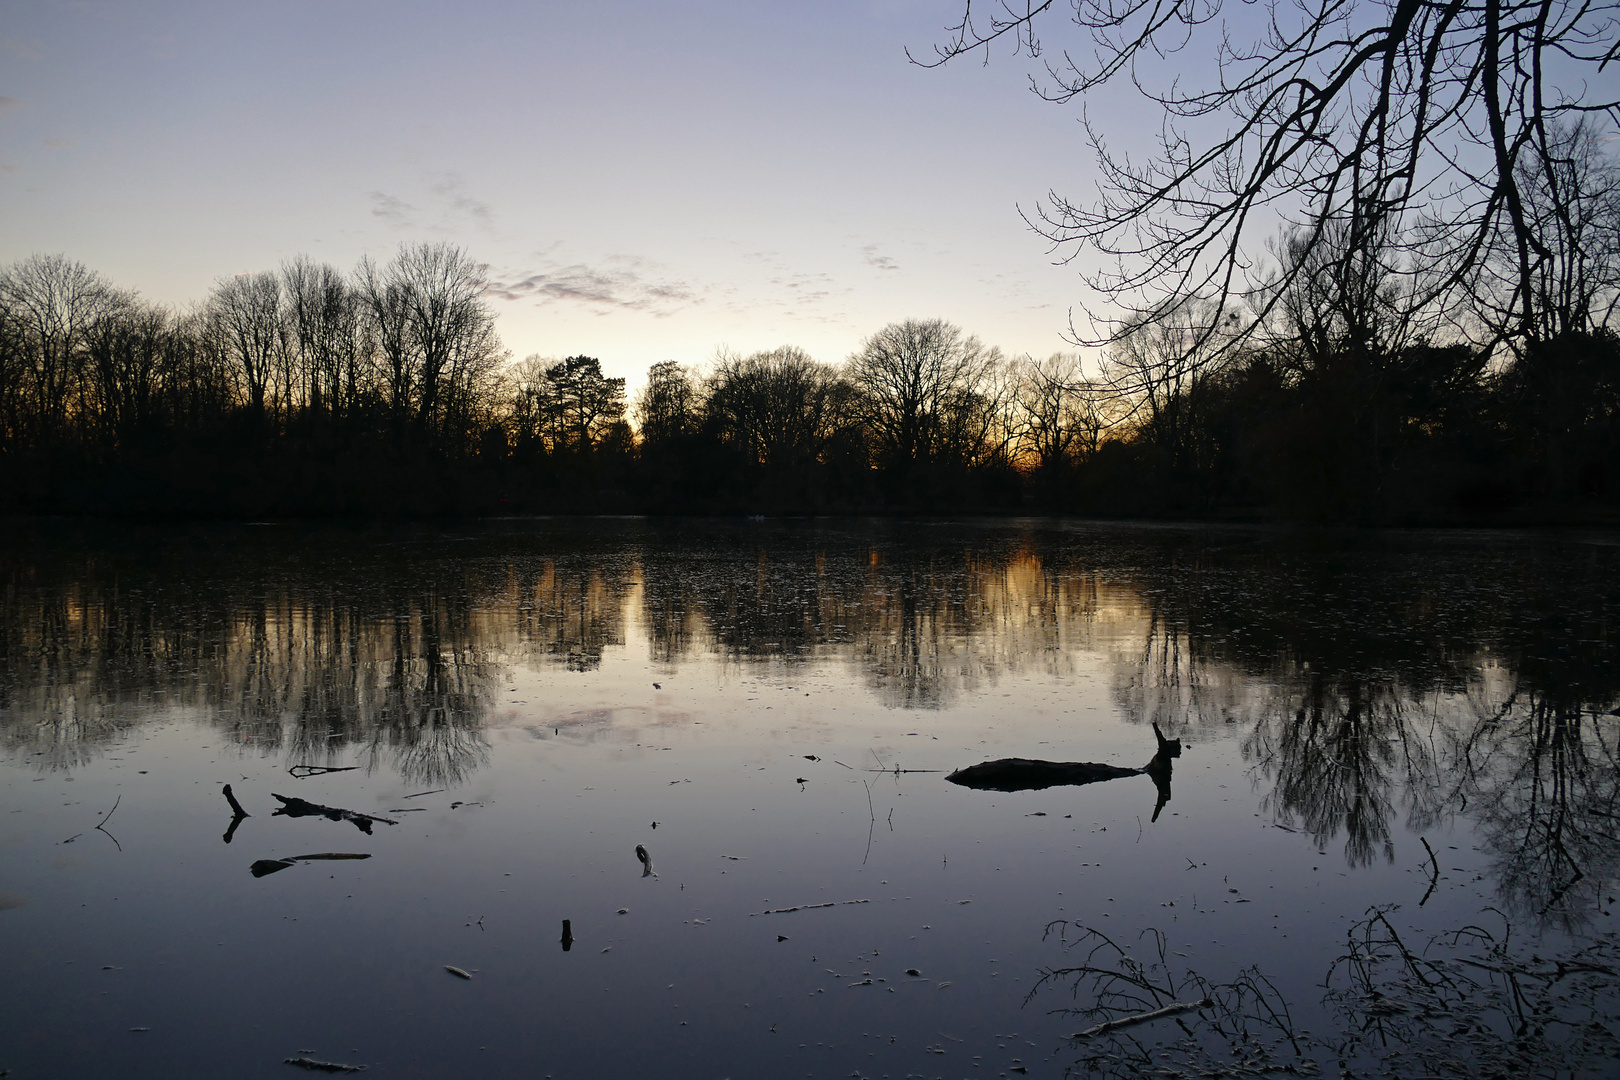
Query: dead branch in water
{"points": [[292, 806], [1174, 1009]]}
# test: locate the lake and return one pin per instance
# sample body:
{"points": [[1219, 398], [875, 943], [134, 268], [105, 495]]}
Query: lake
{"points": [[719, 754]]}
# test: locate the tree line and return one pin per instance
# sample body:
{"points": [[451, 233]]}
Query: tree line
{"points": [[1324, 395]]}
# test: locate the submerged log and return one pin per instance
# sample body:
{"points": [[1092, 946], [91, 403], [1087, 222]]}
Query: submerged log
{"points": [[1029, 774]]}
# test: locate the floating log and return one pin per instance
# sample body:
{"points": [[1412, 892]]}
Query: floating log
{"points": [[1029, 774]]}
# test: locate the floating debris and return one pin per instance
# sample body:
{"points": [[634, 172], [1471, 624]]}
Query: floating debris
{"points": [[457, 972]]}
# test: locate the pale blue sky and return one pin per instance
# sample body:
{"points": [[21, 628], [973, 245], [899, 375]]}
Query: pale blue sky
{"points": [[648, 180]]}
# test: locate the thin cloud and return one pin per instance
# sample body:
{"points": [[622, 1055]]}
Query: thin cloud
{"points": [[451, 189], [872, 258], [446, 209], [621, 285], [60, 144], [7, 104], [392, 209]]}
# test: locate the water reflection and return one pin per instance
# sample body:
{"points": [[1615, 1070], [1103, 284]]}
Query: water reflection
{"points": [[1374, 682]]}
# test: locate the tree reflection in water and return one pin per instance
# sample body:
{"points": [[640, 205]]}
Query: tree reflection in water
{"points": [[1369, 677]]}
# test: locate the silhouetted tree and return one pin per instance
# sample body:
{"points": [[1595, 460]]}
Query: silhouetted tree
{"points": [[246, 314], [50, 305], [574, 406], [1162, 370], [928, 395], [436, 336], [780, 407], [325, 336], [668, 407]]}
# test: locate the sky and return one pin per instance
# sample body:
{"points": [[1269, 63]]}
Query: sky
{"points": [[646, 181]]}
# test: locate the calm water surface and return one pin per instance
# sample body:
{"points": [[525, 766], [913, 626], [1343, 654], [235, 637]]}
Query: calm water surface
{"points": [[1387, 738]]}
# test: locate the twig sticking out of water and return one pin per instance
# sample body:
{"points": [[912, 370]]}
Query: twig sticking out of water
{"points": [[108, 816], [302, 772], [105, 818], [1435, 878], [871, 829]]}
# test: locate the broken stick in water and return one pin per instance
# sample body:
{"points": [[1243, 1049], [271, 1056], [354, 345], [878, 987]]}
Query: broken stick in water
{"points": [[238, 815], [236, 807]]}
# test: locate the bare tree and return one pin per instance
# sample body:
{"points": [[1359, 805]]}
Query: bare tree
{"points": [[127, 353], [668, 406], [1160, 369], [434, 334], [49, 305], [1334, 302], [780, 407], [1060, 413], [1570, 189], [924, 386], [324, 335], [1414, 116], [246, 311]]}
